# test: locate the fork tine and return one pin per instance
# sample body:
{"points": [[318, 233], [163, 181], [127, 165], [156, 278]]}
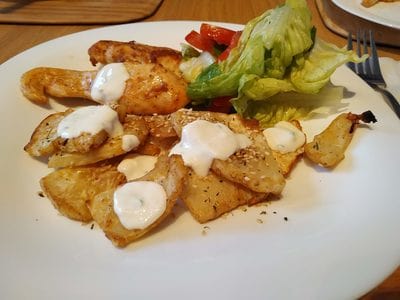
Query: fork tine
{"points": [[374, 61], [359, 67], [367, 62], [358, 42], [350, 41], [350, 64]]}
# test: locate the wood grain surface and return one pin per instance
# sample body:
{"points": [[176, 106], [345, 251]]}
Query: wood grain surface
{"points": [[76, 11], [16, 38]]}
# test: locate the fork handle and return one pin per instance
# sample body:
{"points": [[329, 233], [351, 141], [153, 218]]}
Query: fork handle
{"points": [[395, 104]]}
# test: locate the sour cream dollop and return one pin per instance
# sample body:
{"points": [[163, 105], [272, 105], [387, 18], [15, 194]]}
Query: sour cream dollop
{"points": [[129, 142], [90, 119], [139, 204], [203, 141], [109, 84], [284, 137], [135, 166]]}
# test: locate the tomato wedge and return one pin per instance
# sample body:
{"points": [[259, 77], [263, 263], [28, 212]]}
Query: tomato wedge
{"points": [[220, 35], [234, 41], [221, 104], [199, 41]]}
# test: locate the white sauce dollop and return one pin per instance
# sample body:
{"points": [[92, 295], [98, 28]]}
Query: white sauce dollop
{"points": [[139, 204], [284, 137], [135, 166], [90, 119], [109, 84], [202, 141], [129, 142]]}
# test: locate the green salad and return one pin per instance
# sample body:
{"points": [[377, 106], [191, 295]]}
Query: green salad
{"points": [[278, 70]]}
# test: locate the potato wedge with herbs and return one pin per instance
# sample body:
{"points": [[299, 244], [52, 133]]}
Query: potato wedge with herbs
{"points": [[70, 189], [328, 148], [211, 196], [253, 167], [169, 172], [111, 148]]}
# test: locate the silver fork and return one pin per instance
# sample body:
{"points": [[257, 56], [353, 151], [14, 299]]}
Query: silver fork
{"points": [[369, 70]]}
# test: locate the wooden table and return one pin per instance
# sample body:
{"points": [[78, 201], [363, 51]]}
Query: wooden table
{"points": [[16, 38]]}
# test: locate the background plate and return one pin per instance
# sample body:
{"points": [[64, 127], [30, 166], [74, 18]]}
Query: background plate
{"points": [[382, 13], [340, 240]]}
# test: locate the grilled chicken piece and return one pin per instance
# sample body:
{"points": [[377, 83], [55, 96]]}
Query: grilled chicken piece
{"points": [[150, 89], [106, 52], [38, 83]]}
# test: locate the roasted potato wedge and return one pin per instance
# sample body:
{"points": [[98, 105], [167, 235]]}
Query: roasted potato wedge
{"points": [[70, 189], [169, 172], [111, 148], [44, 135], [209, 197], [83, 143], [328, 148], [155, 146], [160, 126], [286, 161], [253, 167]]}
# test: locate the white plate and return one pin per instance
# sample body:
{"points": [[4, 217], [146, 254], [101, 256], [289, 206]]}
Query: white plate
{"points": [[386, 14], [340, 240]]}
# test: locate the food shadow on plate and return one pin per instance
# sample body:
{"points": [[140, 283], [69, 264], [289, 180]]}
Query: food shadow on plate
{"points": [[68, 103]]}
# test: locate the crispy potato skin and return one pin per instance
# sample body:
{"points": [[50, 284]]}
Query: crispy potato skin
{"points": [[169, 172], [211, 196], [42, 139], [328, 148], [111, 148], [70, 189]]}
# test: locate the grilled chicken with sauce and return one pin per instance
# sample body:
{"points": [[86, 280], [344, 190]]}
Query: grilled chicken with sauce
{"points": [[154, 85]]}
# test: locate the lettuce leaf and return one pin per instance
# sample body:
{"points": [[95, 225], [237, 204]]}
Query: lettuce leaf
{"points": [[308, 74], [293, 105]]}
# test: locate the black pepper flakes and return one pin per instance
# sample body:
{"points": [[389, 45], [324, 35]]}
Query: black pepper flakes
{"points": [[40, 194], [286, 218], [92, 226]]}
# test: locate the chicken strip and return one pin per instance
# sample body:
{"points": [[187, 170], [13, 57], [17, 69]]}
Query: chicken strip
{"points": [[106, 52], [150, 88]]}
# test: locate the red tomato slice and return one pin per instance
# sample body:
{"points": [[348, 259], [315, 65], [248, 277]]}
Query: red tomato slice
{"points": [[234, 41], [218, 34], [200, 42], [221, 104]]}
